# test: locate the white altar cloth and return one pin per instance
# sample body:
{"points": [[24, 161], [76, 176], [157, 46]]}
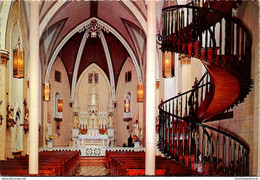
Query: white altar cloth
{"points": [[85, 137]]}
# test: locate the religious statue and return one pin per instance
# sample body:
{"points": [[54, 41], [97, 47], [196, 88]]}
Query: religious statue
{"points": [[75, 120], [17, 132], [26, 120], [110, 121], [10, 116], [49, 132], [136, 130]]}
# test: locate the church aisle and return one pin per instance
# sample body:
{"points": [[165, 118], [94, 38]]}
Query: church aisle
{"points": [[90, 166]]}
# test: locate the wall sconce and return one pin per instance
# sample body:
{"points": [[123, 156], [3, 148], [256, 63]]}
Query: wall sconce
{"points": [[46, 92], [60, 104], [18, 61], [140, 93], [168, 64], [126, 105]]}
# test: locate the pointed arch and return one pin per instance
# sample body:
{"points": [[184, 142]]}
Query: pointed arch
{"points": [[76, 29]]}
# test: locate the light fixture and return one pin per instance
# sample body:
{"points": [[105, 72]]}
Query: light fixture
{"points": [[140, 93], [60, 104], [18, 61], [168, 64], [126, 105], [46, 92]]}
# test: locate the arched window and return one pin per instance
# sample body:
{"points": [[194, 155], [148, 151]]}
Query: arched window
{"points": [[128, 107], [58, 107]]}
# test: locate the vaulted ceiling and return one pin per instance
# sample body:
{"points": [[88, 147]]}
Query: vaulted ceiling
{"points": [[71, 14], [58, 19]]}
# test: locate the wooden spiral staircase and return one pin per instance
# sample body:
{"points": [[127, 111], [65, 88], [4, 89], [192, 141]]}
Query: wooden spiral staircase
{"points": [[207, 31]]}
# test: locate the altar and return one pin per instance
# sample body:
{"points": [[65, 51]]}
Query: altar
{"points": [[85, 140], [94, 127]]}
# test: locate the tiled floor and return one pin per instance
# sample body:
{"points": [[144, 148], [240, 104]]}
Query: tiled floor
{"points": [[92, 169]]}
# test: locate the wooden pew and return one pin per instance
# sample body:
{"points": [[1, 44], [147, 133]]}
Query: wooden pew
{"points": [[117, 162], [120, 165], [110, 154], [168, 167], [54, 163], [25, 172]]}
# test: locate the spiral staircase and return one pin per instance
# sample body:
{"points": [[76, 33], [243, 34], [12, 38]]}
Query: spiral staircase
{"points": [[207, 31]]}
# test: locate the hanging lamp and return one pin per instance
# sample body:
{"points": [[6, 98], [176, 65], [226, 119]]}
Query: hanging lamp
{"points": [[18, 61], [140, 92], [167, 64], [46, 92]]}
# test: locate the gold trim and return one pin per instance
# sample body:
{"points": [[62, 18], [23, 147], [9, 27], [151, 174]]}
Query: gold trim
{"points": [[185, 59], [4, 57]]}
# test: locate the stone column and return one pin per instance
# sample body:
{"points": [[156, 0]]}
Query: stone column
{"points": [[4, 56], [141, 121], [34, 88], [186, 81], [45, 121], [150, 142]]}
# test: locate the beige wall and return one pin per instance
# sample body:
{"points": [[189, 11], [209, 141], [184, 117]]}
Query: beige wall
{"points": [[122, 133], [246, 115], [83, 88], [194, 69], [16, 88], [65, 125]]}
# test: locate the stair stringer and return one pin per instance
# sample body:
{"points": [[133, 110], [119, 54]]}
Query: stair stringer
{"points": [[225, 88]]}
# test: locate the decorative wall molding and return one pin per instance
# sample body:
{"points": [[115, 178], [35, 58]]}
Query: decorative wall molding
{"points": [[185, 59], [94, 26], [4, 57], [93, 150]]}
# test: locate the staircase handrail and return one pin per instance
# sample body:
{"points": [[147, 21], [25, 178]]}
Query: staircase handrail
{"points": [[240, 148]]}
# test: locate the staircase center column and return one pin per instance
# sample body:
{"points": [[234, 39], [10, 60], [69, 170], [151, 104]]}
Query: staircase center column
{"points": [[150, 143], [4, 56], [185, 73], [34, 89]]}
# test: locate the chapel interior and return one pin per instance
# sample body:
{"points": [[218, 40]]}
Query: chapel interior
{"points": [[129, 88]]}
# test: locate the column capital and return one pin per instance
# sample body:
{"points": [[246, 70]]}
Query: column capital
{"points": [[35, 1], [185, 59], [4, 57], [151, 1]]}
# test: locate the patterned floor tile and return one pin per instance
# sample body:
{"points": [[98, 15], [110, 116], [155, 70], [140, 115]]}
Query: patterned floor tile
{"points": [[92, 169]]}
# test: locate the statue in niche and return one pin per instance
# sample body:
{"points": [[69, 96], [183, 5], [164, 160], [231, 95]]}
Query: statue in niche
{"points": [[110, 122], [136, 130], [26, 120], [10, 116], [49, 131], [75, 120], [26, 117], [17, 131]]}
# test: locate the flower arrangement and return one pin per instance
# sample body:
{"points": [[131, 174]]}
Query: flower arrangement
{"points": [[51, 137], [102, 131], [135, 138], [83, 131]]}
